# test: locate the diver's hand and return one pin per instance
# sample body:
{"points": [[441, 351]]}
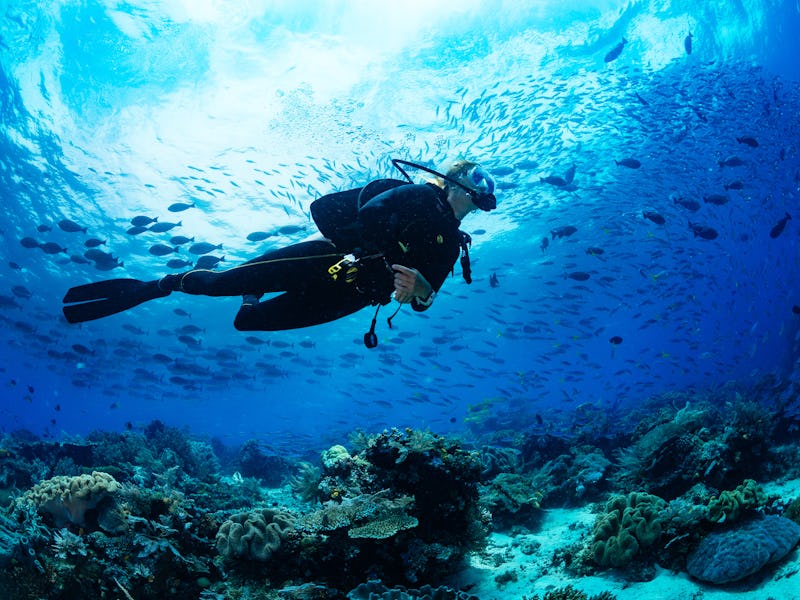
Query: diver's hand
{"points": [[409, 284]]}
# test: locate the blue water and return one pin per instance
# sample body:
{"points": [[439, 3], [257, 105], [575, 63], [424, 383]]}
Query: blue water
{"points": [[116, 110]]}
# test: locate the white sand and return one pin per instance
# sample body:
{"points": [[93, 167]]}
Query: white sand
{"points": [[536, 575]]}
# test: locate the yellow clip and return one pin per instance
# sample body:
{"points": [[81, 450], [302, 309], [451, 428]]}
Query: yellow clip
{"points": [[348, 262]]}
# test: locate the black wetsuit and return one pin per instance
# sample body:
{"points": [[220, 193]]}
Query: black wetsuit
{"points": [[406, 224]]}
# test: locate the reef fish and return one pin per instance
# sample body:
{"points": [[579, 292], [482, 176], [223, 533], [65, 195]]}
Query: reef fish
{"points": [[203, 248], [565, 231], [687, 43], [614, 53], [578, 275], [142, 221], [70, 226], [779, 226], [654, 217], [718, 199], [749, 141], [162, 250], [703, 231], [688, 204], [631, 163], [179, 207], [731, 161]]}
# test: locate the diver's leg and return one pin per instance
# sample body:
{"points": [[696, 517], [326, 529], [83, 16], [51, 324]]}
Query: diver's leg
{"points": [[301, 308], [298, 265]]}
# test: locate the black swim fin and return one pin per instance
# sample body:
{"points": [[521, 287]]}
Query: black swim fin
{"points": [[104, 298]]}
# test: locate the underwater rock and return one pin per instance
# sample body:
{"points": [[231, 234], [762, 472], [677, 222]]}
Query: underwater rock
{"points": [[733, 554]]}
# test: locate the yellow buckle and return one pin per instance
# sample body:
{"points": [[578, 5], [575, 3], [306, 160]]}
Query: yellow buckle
{"points": [[348, 263]]}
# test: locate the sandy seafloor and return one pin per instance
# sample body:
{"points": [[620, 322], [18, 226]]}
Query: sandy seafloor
{"points": [[536, 573]]}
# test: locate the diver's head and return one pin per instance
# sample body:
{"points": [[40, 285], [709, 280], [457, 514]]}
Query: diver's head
{"points": [[473, 180]]}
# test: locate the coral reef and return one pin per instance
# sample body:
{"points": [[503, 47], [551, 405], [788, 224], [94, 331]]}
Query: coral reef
{"points": [[255, 535], [375, 590], [629, 525], [570, 593], [67, 500], [733, 554]]}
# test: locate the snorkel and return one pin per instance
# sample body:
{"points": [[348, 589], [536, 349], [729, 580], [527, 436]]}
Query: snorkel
{"points": [[482, 194]]}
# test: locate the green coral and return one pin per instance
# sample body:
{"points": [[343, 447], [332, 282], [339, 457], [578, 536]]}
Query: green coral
{"points": [[254, 535], [730, 505], [630, 523], [570, 593]]}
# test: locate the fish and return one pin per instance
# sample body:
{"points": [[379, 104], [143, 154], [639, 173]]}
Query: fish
{"points": [[8, 302], [493, 281], [180, 207], [81, 349], [734, 185], [189, 341], [779, 226], [703, 231], [29, 242], [569, 175], [615, 340], [614, 53], [180, 312], [565, 231], [44, 228], [70, 226], [594, 251], [654, 217], [208, 262], [731, 161], [526, 164], [544, 244], [178, 263], [179, 240], [136, 230], [688, 204], [641, 100], [20, 291], [162, 250], [631, 163], [164, 226], [291, 229], [93, 243], [687, 43], [796, 309], [747, 140], [203, 248], [15, 266], [142, 221], [52, 248], [717, 199], [578, 275], [258, 236], [553, 180]]}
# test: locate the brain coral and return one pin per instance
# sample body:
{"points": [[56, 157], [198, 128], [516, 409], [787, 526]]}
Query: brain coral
{"points": [[255, 535], [630, 522], [67, 499], [733, 554]]}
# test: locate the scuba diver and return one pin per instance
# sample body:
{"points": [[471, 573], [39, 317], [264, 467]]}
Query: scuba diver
{"points": [[388, 238]]}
